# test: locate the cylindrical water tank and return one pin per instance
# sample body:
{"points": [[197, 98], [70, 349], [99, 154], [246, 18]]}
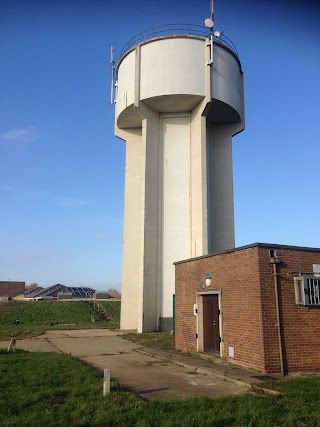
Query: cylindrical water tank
{"points": [[171, 73]]}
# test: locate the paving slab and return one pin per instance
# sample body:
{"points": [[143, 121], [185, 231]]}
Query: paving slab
{"points": [[87, 346], [148, 375], [156, 379], [81, 333], [212, 365], [32, 344]]}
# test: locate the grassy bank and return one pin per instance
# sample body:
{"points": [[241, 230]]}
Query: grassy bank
{"points": [[163, 340], [41, 389], [112, 308], [25, 319]]}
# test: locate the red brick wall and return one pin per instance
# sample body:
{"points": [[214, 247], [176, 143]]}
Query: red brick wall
{"points": [[11, 289], [186, 285], [300, 325], [245, 278], [237, 275]]}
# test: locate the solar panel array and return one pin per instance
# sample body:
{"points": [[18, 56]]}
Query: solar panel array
{"points": [[80, 292]]}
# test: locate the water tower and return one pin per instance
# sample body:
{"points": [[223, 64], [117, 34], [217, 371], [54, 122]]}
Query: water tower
{"points": [[179, 102]]}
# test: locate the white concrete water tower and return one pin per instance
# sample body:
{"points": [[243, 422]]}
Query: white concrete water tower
{"points": [[179, 102]]}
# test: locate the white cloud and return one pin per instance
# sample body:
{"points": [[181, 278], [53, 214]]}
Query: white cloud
{"points": [[6, 188], [101, 236], [25, 256], [20, 135], [28, 193], [21, 193], [71, 202]]}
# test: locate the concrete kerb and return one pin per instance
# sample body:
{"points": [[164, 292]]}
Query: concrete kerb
{"points": [[254, 388], [203, 371]]}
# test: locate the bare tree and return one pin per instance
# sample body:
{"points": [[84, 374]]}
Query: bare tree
{"points": [[114, 293], [32, 285]]}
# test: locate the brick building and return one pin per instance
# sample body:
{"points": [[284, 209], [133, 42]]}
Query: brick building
{"points": [[11, 289], [257, 306]]}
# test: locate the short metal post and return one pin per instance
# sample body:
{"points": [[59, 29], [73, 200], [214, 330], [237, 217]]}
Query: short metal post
{"points": [[12, 345], [106, 381]]}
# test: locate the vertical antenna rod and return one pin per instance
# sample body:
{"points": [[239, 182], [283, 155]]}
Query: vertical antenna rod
{"points": [[210, 24], [211, 9], [113, 79]]}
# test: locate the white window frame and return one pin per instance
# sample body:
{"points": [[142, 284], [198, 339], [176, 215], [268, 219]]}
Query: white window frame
{"points": [[307, 290]]}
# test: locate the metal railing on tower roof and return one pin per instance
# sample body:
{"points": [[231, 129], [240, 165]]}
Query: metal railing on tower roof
{"points": [[174, 29]]}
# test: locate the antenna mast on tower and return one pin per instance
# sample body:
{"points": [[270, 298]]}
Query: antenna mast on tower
{"points": [[212, 10], [113, 80], [209, 23]]}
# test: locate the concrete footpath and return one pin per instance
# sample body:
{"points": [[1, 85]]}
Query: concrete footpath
{"points": [[150, 373]]}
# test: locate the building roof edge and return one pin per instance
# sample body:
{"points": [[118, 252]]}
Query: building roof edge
{"points": [[251, 245]]}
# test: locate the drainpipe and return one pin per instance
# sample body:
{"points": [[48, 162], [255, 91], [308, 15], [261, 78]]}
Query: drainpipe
{"points": [[274, 260]]}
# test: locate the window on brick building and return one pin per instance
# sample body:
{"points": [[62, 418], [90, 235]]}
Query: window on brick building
{"points": [[309, 291]]}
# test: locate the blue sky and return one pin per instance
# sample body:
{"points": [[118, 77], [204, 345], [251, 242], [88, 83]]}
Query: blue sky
{"points": [[62, 169]]}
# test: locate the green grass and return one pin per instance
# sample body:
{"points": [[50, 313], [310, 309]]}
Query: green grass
{"points": [[113, 310], [160, 340], [35, 317], [46, 389]]}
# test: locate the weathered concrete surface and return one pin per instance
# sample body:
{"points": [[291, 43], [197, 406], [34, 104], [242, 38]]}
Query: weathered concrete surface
{"points": [[156, 379], [148, 376]]}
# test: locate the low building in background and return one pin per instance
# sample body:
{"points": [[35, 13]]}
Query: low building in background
{"points": [[30, 292], [64, 295], [102, 295], [59, 291], [10, 289]]}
